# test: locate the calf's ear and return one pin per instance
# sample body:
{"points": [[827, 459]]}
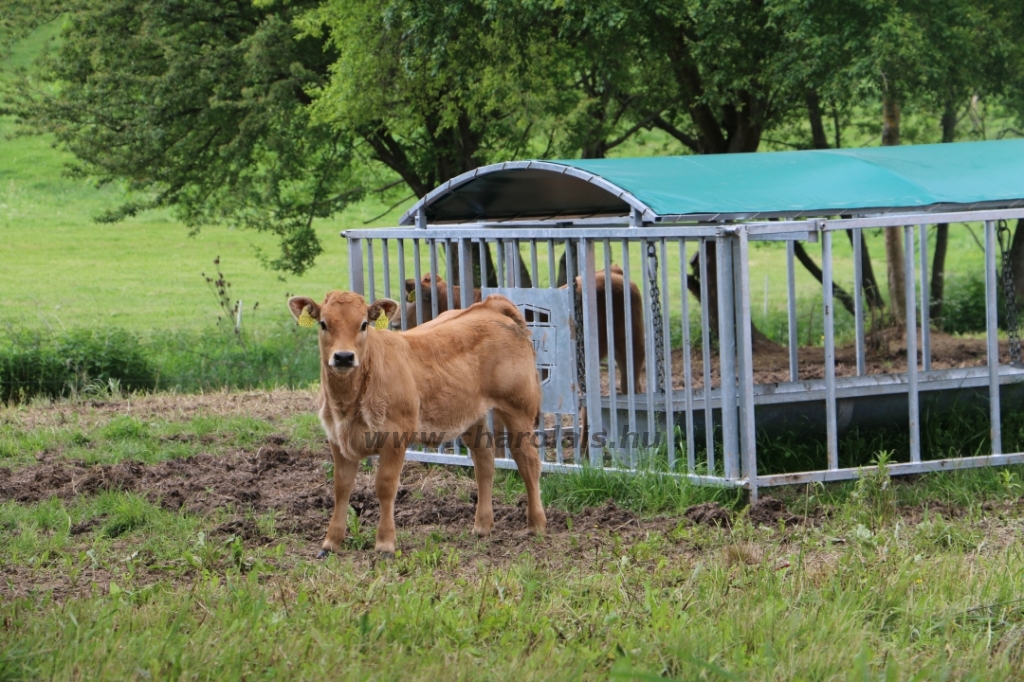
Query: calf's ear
{"points": [[384, 306], [304, 310]]}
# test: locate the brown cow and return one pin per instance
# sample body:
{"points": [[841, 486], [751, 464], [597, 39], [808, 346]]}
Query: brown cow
{"points": [[381, 390], [618, 317], [426, 296]]}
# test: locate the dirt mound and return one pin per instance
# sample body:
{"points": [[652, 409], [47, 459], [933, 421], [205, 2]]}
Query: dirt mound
{"points": [[709, 514], [769, 511]]}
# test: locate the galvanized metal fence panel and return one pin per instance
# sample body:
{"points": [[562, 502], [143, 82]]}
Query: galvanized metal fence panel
{"points": [[634, 413]]}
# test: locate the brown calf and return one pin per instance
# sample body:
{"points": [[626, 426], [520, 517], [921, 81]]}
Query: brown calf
{"points": [[381, 390], [618, 317], [426, 297]]}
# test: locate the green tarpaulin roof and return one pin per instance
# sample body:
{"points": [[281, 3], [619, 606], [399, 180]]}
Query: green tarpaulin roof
{"points": [[820, 182]]}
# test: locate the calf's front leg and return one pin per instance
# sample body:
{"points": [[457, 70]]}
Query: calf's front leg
{"points": [[344, 480], [388, 472]]}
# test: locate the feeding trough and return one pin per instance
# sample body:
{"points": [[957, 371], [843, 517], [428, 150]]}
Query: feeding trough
{"points": [[600, 256]]}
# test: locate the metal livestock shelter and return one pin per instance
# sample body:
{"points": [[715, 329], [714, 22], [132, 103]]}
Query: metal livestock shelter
{"points": [[522, 228]]}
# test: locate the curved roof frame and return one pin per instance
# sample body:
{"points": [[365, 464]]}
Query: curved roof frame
{"points": [[409, 217]]}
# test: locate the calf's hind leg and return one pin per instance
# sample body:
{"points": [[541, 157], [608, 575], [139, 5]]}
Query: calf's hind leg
{"points": [[520, 434], [481, 447]]}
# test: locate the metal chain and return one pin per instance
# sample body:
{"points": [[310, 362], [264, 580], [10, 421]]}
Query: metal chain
{"points": [[581, 366], [659, 331], [1009, 292]]}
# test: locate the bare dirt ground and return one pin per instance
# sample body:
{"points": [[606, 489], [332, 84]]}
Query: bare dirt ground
{"points": [[886, 354]]}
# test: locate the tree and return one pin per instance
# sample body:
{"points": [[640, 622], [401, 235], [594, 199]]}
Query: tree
{"points": [[200, 107]]}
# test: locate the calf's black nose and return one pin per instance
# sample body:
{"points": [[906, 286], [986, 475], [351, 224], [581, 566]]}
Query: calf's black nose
{"points": [[344, 359]]}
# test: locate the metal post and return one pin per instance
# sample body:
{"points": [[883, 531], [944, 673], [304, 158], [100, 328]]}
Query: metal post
{"points": [[992, 337], [858, 299], [666, 325], [433, 280], [609, 314], [727, 357], [705, 324], [794, 363], [649, 343], [926, 331], [745, 348], [691, 460], [401, 284], [355, 265], [570, 273], [830, 351], [449, 270], [912, 394], [630, 369], [595, 423], [369, 271], [387, 268], [418, 286], [466, 266]]}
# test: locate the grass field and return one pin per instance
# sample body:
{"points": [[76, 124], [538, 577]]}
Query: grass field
{"points": [[108, 575]]}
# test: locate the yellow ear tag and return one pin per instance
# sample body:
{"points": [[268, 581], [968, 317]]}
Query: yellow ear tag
{"points": [[305, 319], [382, 322], [411, 298]]}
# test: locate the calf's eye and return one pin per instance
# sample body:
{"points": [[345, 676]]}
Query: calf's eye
{"points": [[363, 328], [323, 325]]}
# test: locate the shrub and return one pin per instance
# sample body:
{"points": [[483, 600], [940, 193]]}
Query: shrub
{"points": [[40, 363]]}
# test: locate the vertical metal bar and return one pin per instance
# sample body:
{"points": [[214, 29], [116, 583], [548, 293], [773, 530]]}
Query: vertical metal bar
{"points": [[449, 271], [485, 250], [627, 321], [418, 286], [745, 355], [609, 316], [570, 272], [705, 346], [433, 279], [794, 363], [830, 350], [401, 284], [691, 460], [517, 270], [387, 268], [649, 341], [992, 337], [592, 354], [858, 299], [499, 262], [355, 266], [727, 356], [466, 266], [666, 325], [911, 312], [369, 270], [552, 277], [534, 271], [926, 332]]}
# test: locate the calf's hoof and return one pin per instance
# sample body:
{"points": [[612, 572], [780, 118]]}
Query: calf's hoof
{"points": [[481, 531], [323, 553]]}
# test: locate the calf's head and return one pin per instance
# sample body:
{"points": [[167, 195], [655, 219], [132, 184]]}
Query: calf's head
{"points": [[344, 322]]}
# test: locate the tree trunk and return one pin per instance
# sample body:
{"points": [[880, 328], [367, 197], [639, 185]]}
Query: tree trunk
{"points": [[893, 235], [818, 138], [1016, 256], [941, 230]]}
